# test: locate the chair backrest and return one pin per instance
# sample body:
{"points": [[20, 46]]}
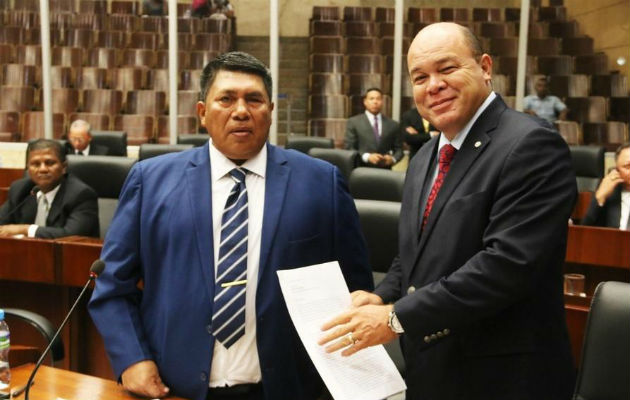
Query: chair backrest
{"points": [[106, 175], [196, 140], [588, 164], [376, 184], [305, 143], [605, 363], [345, 160], [116, 141], [379, 224], [44, 326], [148, 150]]}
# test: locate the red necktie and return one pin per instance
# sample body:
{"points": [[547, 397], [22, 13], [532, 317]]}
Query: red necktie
{"points": [[447, 153]]}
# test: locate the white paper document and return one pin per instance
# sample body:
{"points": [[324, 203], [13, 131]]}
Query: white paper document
{"points": [[316, 294]]}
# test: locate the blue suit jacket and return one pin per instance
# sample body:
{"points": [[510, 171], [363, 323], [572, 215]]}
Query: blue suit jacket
{"points": [[162, 234]]}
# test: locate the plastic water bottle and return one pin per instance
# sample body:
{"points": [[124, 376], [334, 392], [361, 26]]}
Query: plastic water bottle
{"points": [[5, 344]]}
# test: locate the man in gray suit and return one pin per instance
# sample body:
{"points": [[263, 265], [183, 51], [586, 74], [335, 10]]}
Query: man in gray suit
{"points": [[374, 135]]}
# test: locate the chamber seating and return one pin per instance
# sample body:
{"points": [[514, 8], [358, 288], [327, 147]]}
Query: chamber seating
{"points": [[588, 164], [149, 150], [196, 140], [115, 141], [305, 143], [345, 160], [376, 184]]}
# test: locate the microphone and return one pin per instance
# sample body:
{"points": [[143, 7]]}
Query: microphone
{"points": [[95, 270], [33, 192]]}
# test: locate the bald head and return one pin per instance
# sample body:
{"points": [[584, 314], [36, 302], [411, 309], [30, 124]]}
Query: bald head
{"points": [[450, 75], [79, 135]]}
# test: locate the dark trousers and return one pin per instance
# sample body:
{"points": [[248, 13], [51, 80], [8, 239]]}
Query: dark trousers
{"points": [[253, 391]]}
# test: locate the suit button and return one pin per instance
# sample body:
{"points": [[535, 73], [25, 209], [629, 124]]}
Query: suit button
{"points": [[203, 376], [427, 339], [434, 337], [446, 331], [411, 290]]}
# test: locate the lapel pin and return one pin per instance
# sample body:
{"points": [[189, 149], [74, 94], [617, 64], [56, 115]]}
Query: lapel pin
{"points": [[477, 144]]}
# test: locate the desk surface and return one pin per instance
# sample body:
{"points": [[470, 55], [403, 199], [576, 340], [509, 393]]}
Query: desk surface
{"points": [[51, 383]]}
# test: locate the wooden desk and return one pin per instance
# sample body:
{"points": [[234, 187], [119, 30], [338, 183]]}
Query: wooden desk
{"points": [[30, 260], [76, 254], [581, 206], [51, 383], [8, 175]]}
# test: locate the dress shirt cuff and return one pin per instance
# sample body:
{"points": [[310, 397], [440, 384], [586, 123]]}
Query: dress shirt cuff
{"points": [[31, 230], [365, 157]]}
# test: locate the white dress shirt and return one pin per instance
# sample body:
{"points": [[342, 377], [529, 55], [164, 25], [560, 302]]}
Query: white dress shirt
{"points": [[50, 197], [86, 151], [239, 364], [371, 117], [625, 209]]}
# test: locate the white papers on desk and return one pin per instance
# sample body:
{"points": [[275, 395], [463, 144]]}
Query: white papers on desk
{"points": [[316, 294]]}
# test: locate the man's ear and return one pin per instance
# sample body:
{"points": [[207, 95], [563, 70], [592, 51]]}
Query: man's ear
{"points": [[201, 112], [486, 66]]}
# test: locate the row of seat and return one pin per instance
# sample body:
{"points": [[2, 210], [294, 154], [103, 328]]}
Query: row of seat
{"points": [[87, 6], [430, 15], [86, 78], [609, 134], [83, 39], [142, 128]]}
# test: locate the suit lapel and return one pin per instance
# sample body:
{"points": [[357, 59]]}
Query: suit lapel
{"points": [[198, 182], [473, 146], [57, 205], [420, 173], [368, 130], [276, 182], [614, 214]]}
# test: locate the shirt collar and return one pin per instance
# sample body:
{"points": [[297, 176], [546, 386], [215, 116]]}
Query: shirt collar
{"points": [[371, 116], [50, 196], [458, 140], [220, 165]]}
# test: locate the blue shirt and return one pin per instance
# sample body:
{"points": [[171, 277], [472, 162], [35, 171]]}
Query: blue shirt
{"points": [[547, 108]]}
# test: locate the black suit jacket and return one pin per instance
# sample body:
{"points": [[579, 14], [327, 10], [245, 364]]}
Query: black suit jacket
{"points": [[360, 136], [95, 150], [73, 212], [607, 215], [412, 118], [479, 291]]}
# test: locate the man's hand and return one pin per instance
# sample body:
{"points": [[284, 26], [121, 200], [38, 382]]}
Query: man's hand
{"points": [[12, 230], [607, 186], [387, 161], [375, 158], [530, 112], [434, 133], [366, 322], [411, 130], [143, 379]]}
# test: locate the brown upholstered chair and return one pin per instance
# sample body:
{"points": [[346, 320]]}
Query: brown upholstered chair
{"points": [[144, 40], [502, 85], [147, 102], [33, 125], [199, 59], [328, 106], [67, 56], [7, 53], [620, 108], [570, 132], [190, 79], [614, 85], [186, 124], [486, 14], [103, 57], [387, 29], [425, 15], [93, 7], [578, 46], [184, 41], [13, 35], [327, 62], [569, 85], [140, 128], [323, 83], [212, 42], [363, 45], [29, 54], [587, 109], [83, 38], [552, 14], [327, 45], [158, 79], [365, 64], [183, 59], [209, 25], [139, 58], [114, 39], [360, 28], [96, 22], [124, 7], [563, 29], [543, 47], [65, 100], [555, 65], [9, 125], [187, 102], [129, 78], [357, 14], [102, 101], [507, 65], [592, 64], [504, 47], [387, 45], [334, 128], [609, 134], [63, 77], [99, 122], [19, 75], [514, 14], [94, 78], [454, 14], [326, 28], [155, 24], [385, 14], [492, 29], [17, 98]]}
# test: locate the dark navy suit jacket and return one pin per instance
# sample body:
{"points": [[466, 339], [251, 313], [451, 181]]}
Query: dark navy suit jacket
{"points": [[162, 234], [479, 291]]}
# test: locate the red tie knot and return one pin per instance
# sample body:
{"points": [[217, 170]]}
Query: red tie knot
{"points": [[447, 152]]}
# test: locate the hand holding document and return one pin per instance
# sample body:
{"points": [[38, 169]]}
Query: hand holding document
{"points": [[312, 295]]}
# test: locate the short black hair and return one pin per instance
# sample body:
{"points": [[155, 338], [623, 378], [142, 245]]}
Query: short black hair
{"points": [[45, 144], [233, 61], [372, 89], [621, 148]]}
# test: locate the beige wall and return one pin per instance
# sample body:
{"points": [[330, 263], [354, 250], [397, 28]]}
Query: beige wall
{"points": [[253, 15], [608, 23]]}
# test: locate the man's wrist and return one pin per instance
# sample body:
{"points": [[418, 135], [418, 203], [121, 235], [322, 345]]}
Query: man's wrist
{"points": [[394, 324]]}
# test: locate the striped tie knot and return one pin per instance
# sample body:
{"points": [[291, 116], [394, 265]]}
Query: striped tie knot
{"points": [[238, 174]]}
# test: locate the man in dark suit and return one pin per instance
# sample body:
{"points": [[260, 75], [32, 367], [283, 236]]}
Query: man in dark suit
{"points": [[476, 290], [80, 140], [610, 206], [373, 135], [48, 204], [199, 329], [415, 130]]}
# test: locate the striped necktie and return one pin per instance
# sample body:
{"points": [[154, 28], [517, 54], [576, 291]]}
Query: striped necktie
{"points": [[228, 319]]}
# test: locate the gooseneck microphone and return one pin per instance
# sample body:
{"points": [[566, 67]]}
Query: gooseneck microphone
{"points": [[95, 270], [33, 192]]}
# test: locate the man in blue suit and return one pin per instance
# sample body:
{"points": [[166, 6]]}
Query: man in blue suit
{"points": [[205, 231]]}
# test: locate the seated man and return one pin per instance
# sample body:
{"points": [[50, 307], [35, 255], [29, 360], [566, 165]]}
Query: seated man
{"points": [[49, 204], [79, 138], [415, 130], [610, 206], [373, 135], [544, 105]]}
